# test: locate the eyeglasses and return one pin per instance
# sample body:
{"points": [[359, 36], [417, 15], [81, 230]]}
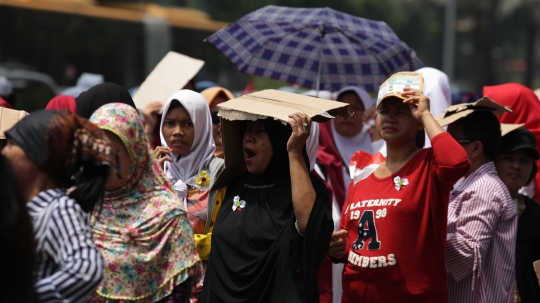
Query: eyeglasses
{"points": [[464, 141], [215, 118]]}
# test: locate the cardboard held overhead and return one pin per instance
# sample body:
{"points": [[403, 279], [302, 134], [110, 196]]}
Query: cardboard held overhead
{"points": [[394, 85], [261, 105], [8, 119], [279, 105], [171, 74], [506, 128], [458, 111]]}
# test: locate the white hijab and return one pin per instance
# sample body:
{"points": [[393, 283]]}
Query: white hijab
{"points": [[312, 145], [347, 146], [183, 172], [437, 89]]}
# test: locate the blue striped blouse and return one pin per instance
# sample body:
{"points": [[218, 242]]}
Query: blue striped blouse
{"points": [[69, 266]]}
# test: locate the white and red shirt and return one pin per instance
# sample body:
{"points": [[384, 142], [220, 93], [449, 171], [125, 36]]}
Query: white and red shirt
{"points": [[397, 228]]}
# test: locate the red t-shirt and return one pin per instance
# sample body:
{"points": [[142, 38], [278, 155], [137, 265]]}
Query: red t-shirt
{"points": [[399, 255]]}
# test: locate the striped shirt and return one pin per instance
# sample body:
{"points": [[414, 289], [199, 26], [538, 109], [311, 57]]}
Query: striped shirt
{"points": [[481, 239], [69, 266]]}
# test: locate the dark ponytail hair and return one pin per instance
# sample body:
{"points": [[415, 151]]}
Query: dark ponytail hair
{"points": [[90, 185]]}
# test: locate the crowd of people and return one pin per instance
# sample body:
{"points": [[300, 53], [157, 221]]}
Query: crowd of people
{"points": [[107, 202]]}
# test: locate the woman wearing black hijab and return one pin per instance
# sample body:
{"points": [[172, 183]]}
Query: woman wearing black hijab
{"points": [[89, 101], [273, 230]]}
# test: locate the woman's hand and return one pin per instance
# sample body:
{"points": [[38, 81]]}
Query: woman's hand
{"points": [[419, 103], [162, 154], [369, 114], [338, 244], [301, 126], [151, 115]]}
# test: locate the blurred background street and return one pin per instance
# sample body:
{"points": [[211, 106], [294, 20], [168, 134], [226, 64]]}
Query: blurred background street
{"points": [[50, 43]]}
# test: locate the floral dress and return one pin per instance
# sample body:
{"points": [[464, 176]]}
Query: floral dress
{"points": [[142, 228]]}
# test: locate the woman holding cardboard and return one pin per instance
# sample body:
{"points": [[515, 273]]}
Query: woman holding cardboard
{"points": [[274, 230], [187, 156], [393, 227]]}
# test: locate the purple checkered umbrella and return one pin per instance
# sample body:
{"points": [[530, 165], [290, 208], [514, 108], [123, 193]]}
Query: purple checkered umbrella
{"points": [[288, 44]]}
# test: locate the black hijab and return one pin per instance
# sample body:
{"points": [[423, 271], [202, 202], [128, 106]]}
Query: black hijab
{"points": [[89, 101], [250, 248]]}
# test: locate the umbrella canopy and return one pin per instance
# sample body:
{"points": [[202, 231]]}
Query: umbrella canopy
{"points": [[288, 44]]}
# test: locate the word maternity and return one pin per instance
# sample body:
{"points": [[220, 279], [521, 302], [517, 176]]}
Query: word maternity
{"points": [[367, 229]]}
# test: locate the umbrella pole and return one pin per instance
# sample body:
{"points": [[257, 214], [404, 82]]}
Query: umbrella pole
{"points": [[323, 33]]}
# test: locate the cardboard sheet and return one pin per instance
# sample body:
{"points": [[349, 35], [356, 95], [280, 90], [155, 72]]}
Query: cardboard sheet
{"points": [[506, 128], [279, 105], [261, 105], [458, 111], [8, 118], [171, 74], [397, 82]]}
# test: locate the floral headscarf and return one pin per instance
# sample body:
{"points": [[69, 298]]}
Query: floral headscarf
{"points": [[142, 229]]}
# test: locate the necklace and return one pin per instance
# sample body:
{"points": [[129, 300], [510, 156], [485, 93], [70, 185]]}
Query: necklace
{"points": [[258, 186]]}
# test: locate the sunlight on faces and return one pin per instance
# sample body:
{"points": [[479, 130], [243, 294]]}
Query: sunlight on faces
{"points": [[257, 147], [353, 126], [514, 168], [178, 129], [24, 169], [113, 181], [395, 121]]}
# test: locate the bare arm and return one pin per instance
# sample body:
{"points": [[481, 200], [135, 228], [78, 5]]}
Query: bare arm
{"points": [[303, 194]]}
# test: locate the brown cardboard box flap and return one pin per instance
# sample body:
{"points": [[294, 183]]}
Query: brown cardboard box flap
{"points": [[8, 119], [458, 111], [506, 128], [261, 105], [279, 105], [171, 74]]}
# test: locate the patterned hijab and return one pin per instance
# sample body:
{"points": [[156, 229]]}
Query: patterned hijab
{"points": [[142, 230]]}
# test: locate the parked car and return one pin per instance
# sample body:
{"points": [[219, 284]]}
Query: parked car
{"points": [[32, 89]]}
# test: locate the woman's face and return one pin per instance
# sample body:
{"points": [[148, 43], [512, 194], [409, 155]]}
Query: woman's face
{"points": [[178, 129], [114, 181], [353, 126], [24, 169], [514, 168], [216, 127], [395, 122], [257, 147]]}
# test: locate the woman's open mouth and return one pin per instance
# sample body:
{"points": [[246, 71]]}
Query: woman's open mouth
{"points": [[249, 154]]}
